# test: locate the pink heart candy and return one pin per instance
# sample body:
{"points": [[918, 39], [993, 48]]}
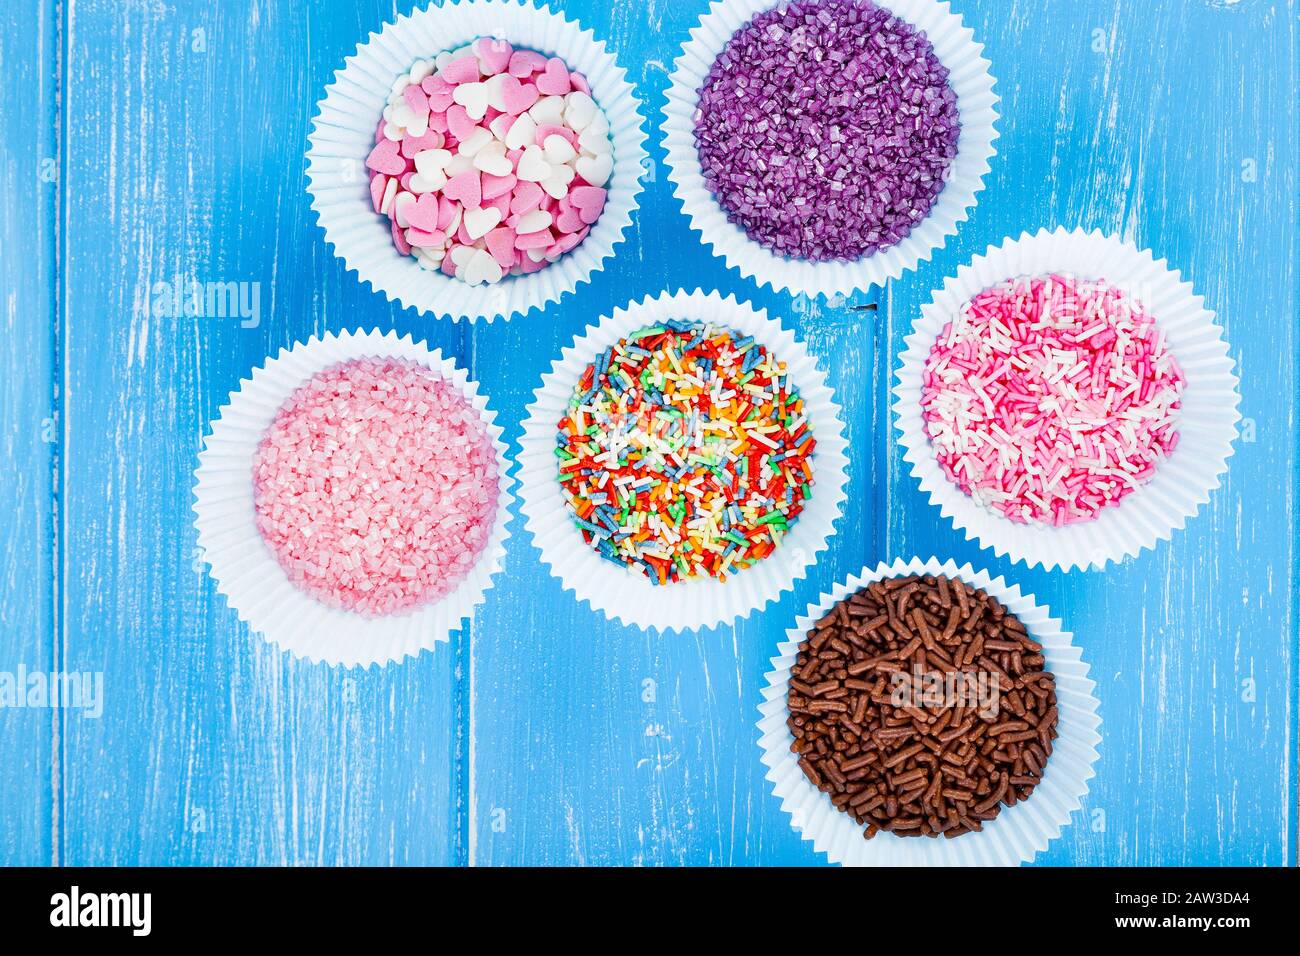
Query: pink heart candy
{"points": [[466, 188], [564, 131], [535, 240], [525, 63], [447, 266], [517, 96], [588, 201], [386, 158], [414, 144], [446, 212], [501, 204], [562, 245], [493, 55], [494, 186], [405, 181], [464, 70], [526, 198], [423, 213], [416, 99], [580, 83], [425, 240], [462, 234], [399, 238], [434, 84], [440, 102], [438, 121], [527, 265], [459, 123], [554, 81], [568, 221], [501, 243], [378, 183]]}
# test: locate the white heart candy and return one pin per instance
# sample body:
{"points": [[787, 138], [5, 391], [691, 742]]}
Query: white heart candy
{"points": [[495, 85], [481, 268], [390, 193], [479, 222], [558, 150], [595, 169], [557, 184], [430, 259], [392, 131], [579, 110], [537, 255], [534, 221], [399, 84], [429, 162], [597, 144], [460, 164], [476, 141], [492, 159], [599, 124], [420, 70], [456, 215], [426, 184], [403, 115], [472, 96], [418, 126], [548, 111], [403, 202], [522, 133], [533, 167], [500, 126], [461, 255]]}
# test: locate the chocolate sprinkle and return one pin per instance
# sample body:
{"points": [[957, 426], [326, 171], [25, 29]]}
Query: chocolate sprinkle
{"points": [[921, 706]]}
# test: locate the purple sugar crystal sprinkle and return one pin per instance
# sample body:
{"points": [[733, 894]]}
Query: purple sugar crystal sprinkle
{"points": [[826, 129]]}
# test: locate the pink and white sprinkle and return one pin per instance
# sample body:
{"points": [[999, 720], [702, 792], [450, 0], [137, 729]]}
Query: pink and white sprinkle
{"points": [[490, 161], [1050, 398], [376, 486]]}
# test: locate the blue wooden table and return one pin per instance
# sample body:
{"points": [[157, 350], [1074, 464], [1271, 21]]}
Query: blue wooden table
{"points": [[150, 139]]}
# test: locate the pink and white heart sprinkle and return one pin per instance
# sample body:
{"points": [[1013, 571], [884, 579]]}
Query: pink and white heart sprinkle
{"points": [[490, 161], [376, 486], [1050, 398]]}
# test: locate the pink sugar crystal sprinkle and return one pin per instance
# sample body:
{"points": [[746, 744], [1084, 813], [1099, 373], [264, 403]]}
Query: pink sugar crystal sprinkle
{"points": [[376, 486], [1050, 398]]}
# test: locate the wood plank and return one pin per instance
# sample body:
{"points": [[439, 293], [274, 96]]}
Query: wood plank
{"points": [[214, 747], [28, 424], [600, 744], [1139, 119]]}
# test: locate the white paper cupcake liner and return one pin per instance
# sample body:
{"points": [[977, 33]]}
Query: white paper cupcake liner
{"points": [[344, 135], [623, 594], [1207, 424], [1017, 833], [969, 76], [244, 567]]}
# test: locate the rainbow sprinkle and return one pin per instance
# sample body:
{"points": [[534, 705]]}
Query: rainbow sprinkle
{"points": [[685, 452]]}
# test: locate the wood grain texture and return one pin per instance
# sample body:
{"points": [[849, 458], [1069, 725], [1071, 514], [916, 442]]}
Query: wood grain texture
{"points": [[28, 425], [547, 734], [214, 747], [1149, 138]]}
